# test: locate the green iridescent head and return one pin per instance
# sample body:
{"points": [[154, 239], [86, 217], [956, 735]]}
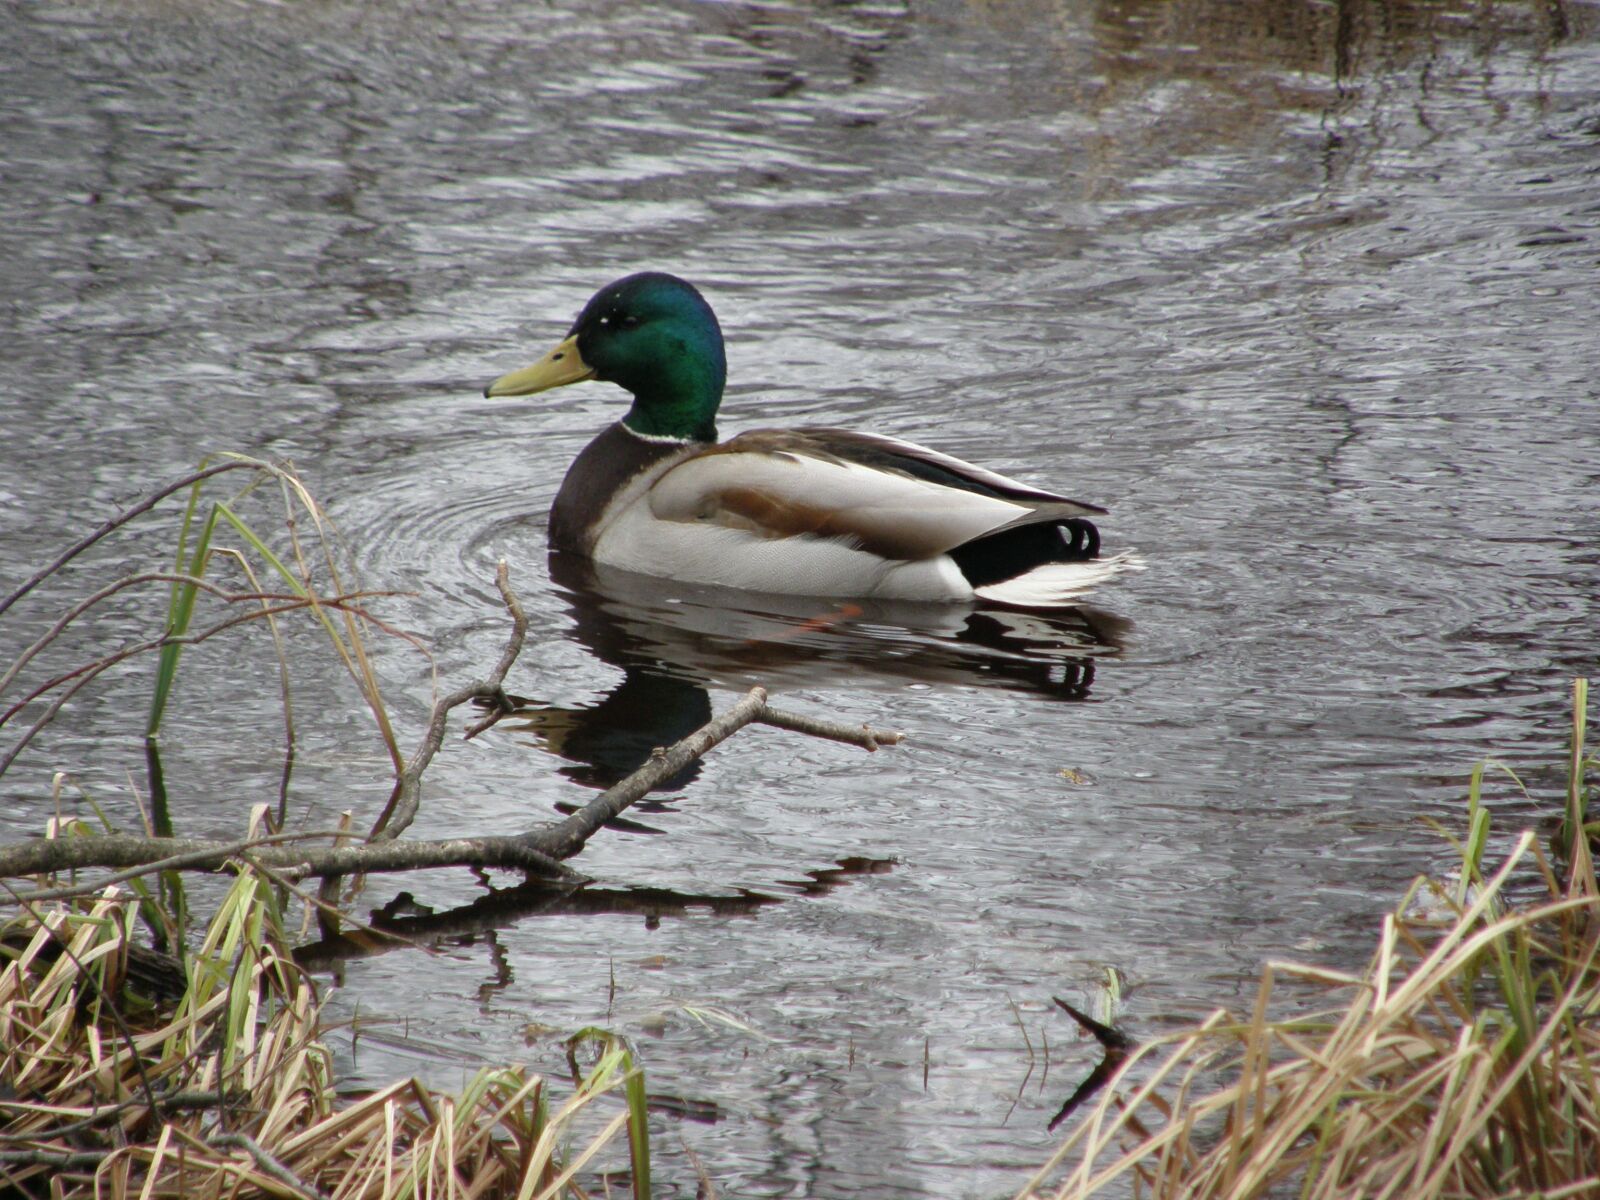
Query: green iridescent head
{"points": [[652, 334]]}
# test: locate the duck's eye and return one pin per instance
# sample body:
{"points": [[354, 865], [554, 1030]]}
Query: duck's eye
{"points": [[629, 322]]}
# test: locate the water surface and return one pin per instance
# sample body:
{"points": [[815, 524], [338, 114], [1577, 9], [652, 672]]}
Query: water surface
{"points": [[1303, 294]]}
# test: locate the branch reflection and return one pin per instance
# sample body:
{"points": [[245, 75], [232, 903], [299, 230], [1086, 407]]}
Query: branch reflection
{"points": [[405, 923]]}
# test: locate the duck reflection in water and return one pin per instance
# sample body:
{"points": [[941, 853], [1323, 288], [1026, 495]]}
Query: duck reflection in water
{"points": [[673, 640]]}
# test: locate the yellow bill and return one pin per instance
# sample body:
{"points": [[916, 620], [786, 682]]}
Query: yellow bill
{"points": [[561, 366]]}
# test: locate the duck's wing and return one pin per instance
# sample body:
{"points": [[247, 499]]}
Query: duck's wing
{"points": [[894, 454], [890, 498]]}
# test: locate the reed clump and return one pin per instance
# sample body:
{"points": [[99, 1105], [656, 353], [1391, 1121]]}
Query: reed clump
{"points": [[1463, 1062], [126, 1074]]}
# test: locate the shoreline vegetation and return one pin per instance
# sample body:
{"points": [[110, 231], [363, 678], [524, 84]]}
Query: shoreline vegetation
{"points": [[129, 1073], [1464, 1061], [146, 1052]]}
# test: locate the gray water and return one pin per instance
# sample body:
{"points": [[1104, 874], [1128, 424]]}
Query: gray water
{"points": [[1305, 294]]}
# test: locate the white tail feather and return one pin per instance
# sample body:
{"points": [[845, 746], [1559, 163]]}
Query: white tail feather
{"points": [[1059, 583]]}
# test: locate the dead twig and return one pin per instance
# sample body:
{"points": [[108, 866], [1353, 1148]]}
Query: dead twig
{"points": [[519, 633], [114, 850], [112, 524], [104, 1113], [868, 738], [568, 837], [406, 797], [265, 1162], [146, 855], [63, 1159], [82, 675]]}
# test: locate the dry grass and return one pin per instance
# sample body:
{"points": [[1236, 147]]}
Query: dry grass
{"points": [[1463, 1062], [223, 1086]]}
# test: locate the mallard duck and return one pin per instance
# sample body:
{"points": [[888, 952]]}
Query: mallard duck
{"points": [[807, 511]]}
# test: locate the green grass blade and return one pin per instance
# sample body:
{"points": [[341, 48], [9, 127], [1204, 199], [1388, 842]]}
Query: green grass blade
{"points": [[179, 612], [638, 1129], [290, 579], [352, 653]]}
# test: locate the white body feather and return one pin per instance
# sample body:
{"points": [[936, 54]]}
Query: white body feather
{"points": [[671, 520]]}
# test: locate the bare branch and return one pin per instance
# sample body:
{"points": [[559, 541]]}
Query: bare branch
{"points": [[46, 856], [865, 736], [89, 671], [266, 1163], [116, 522], [144, 856], [404, 801], [65, 1160], [537, 852], [519, 626], [568, 837]]}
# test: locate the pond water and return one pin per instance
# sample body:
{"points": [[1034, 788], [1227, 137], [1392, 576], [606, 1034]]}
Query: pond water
{"points": [[1304, 293]]}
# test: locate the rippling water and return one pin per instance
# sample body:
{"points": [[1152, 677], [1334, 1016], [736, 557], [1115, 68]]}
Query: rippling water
{"points": [[1304, 294]]}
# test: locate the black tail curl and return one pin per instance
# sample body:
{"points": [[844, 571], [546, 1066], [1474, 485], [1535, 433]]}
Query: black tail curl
{"points": [[1082, 538], [1014, 552]]}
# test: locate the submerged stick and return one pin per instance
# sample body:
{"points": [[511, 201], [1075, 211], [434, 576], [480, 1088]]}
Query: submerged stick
{"points": [[1113, 1041]]}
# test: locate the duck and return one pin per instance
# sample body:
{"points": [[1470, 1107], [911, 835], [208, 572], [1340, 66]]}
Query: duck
{"points": [[806, 511]]}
